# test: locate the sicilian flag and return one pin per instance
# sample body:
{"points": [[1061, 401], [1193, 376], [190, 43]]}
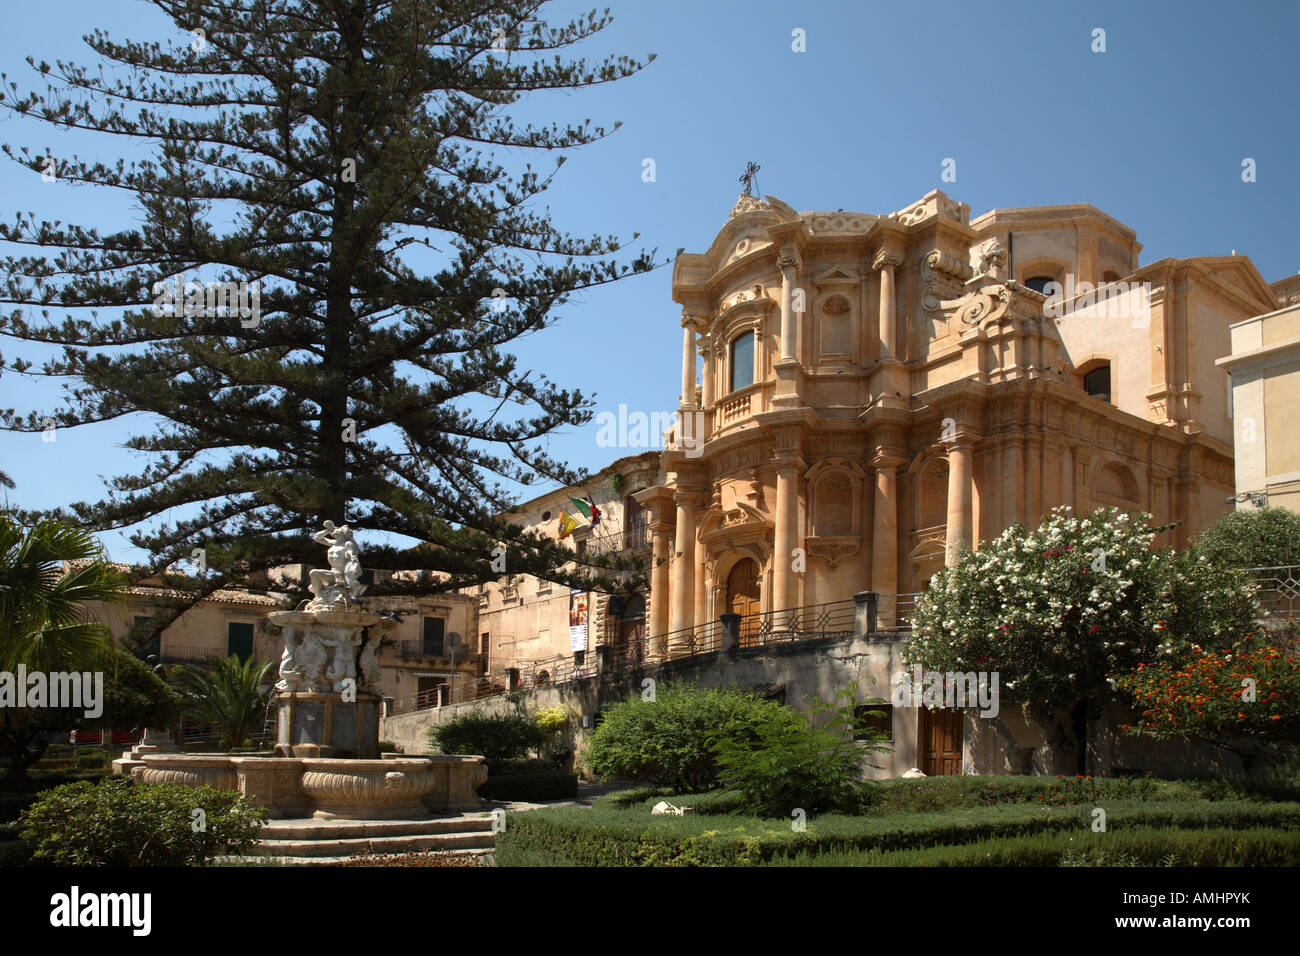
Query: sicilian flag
{"points": [[588, 509], [568, 524]]}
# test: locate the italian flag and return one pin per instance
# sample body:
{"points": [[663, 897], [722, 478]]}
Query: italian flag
{"points": [[588, 509]]}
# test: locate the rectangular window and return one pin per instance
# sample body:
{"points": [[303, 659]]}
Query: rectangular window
{"points": [[239, 640], [637, 533], [154, 646], [869, 727], [742, 361], [483, 648], [433, 644]]}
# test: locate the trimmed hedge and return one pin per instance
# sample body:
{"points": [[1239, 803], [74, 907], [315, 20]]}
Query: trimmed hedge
{"points": [[606, 837], [535, 786], [935, 794], [1140, 846]]}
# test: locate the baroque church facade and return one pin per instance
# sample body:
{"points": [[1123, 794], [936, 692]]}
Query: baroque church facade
{"points": [[864, 395]]}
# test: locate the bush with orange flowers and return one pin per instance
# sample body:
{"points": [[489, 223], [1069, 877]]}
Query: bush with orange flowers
{"points": [[1245, 700]]}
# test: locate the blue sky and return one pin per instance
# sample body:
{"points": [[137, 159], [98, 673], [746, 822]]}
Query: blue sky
{"points": [[1153, 131]]}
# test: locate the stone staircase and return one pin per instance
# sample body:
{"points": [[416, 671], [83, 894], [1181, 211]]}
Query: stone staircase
{"points": [[311, 842]]}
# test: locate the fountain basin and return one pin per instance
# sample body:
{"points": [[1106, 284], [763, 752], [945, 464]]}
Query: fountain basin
{"points": [[193, 770], [399, 787], [368, 789]]}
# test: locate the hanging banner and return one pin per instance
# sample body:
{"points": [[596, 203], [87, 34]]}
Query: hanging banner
{"points": [[577, 620]]}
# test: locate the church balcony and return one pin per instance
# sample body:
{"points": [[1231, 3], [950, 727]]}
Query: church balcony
{"points": [[737, 407], [929, 539]]}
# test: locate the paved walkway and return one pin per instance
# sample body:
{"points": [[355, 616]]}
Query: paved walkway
{"points": [[587, 793]]}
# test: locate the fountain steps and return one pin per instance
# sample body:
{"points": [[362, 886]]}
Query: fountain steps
{"points": [[333, 841], [338, 860]]}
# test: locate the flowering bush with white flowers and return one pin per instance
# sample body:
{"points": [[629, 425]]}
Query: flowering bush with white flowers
{"points": [[1059, 609]]}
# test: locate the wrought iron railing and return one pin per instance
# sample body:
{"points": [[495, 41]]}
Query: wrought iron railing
{"points": [[894, 611], [1279, 591], [833, 619]]}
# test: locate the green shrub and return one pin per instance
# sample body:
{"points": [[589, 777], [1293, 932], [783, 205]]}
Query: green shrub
{"points": [[938, 793], [668, 741], [528, 765], [118, 823], [497, 737], [1253, 538], [777, 760], [553, 720], [388, 747], [538, 785], [93, 758]]}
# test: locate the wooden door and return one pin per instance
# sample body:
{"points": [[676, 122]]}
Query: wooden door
{"points": [[941, 740], [742, 598], [631, 631]]}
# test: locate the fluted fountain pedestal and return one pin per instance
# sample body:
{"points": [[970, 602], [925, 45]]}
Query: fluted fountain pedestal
{"points": [[327, 725]]}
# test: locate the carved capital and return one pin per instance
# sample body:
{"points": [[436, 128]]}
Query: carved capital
{"points": [[887, 257], [786, 261]]}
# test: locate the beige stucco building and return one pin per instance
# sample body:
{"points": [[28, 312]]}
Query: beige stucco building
{"points": [[1265, 370], [416, 656], [526, 622]]}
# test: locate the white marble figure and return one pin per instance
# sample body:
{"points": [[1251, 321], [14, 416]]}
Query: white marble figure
{"points": [[290, 671], [341, 584], [344, 665], [311, 657], [371, 675]]}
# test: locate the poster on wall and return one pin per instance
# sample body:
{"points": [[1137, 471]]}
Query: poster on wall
{"points": [[577, 620]]}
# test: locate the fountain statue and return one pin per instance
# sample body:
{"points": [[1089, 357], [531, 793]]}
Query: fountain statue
{"points": [[327, 762], [328, 705]]}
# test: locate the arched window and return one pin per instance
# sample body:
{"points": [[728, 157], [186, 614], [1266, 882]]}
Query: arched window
{"points": [[1110, 275], [742, 361], [1097, 382], [1039, 283]]}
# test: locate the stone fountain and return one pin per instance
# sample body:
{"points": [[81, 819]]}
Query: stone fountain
{"points": [[327, 762]]}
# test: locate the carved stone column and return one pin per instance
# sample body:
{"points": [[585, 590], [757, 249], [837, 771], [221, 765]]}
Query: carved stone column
{"points": [[787, 264], [688, 362], [884, 537], [959, 500], [785, 585], [706, 353], [683, 571], [701, 583], [659, 504], [884, 263]]}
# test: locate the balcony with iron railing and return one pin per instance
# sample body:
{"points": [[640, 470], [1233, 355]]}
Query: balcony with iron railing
{"points": [[428, 650], [180, 654]]}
